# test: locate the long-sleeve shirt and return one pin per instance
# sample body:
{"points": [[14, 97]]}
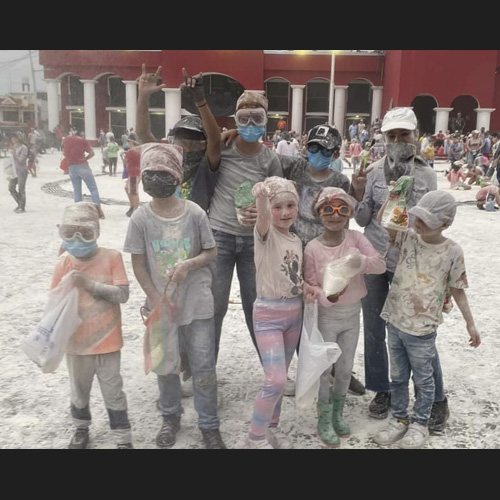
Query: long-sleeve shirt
{"points": [[376, 192], [317, 256]]}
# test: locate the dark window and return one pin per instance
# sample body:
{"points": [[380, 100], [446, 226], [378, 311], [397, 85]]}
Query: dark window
{"points": [[277, 94], [158, 125], [77, 120], [312, 121], [10, 116], [75, 90], [116, 89], [359, 98], [317, 97], [118, 124]]}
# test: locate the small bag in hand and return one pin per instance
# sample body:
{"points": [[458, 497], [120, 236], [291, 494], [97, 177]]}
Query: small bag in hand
{"points": [[315, 357], [46, 345]]}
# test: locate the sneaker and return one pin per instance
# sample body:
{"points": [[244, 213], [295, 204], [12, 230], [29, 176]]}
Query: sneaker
{"points": [[416, 437], [213, 439], [128, 213], [379, 407], [289, 387], [439, 415], [169, 429], [278, 439], [395, 430], [259, 444], [187, 388], [125, 446], [80, 439], [356, 387]]}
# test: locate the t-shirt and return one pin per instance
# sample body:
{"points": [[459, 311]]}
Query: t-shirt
{"points": [[74, 150], [235, 168], [101, 329], [308, 226], [166, 241], [318, 255], [278, 264], [133, 161], [286, 148], [113, 149], [422, 281]]}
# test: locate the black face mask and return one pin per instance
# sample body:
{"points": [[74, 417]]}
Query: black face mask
{"points": [[190, 163], [159, 184]]}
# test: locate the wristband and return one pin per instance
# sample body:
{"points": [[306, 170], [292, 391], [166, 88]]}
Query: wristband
{"points": [[200, 106]]}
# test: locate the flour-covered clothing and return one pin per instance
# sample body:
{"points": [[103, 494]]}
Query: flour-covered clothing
{"points": [[167, 241], [278, 262], [421, 283]]}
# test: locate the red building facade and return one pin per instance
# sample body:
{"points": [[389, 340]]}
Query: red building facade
{"points": [[96, 89]]}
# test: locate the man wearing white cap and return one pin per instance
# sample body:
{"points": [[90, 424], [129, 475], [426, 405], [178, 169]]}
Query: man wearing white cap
{"points": [[399, 127]]}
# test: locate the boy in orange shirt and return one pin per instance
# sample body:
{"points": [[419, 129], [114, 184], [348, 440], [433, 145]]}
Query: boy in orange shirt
{"points": [[94, 349]]}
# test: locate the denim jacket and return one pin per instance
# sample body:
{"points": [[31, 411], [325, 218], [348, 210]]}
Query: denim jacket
{"points": [[376, 193]]}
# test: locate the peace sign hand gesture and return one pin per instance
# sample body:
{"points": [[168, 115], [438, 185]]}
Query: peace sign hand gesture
{"points": [[148, 83], [193, 86], [358, 182]]}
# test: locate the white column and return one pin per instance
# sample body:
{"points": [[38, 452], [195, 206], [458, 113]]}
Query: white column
{"points": [[53, 103], [376, 103], [331, 119], [131, 103], [89, 109], [172, 108], [297, 108], [340, 105], [483, 117], [442, 118]]}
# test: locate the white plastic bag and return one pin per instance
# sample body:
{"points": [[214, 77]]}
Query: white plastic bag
{"points": [[8, 169], [315, 356], [339, 272], [47, 343]]}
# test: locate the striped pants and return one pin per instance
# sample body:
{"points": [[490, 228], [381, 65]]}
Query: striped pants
{"points": [[277, 325]]}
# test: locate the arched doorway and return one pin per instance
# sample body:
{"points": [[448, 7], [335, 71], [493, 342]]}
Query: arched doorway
{"points": [[359, 103], [317, 98], [423, 106], [278, 94], [465, 104]]}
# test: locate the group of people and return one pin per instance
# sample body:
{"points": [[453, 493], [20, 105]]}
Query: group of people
{"points": [[280, 220]]}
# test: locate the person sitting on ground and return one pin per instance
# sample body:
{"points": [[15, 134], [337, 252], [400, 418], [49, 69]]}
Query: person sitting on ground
{"points": [[457, 176], [487, 196]]}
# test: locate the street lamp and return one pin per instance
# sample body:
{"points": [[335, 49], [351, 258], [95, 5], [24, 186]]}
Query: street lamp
{"points": [[332, 89]]}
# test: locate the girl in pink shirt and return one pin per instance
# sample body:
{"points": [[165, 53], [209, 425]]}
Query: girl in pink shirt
{"points": [[339, 314]]}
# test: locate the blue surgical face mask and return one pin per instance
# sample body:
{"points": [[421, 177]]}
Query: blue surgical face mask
{"points": [[79, 248], [251, 133], [318, 161]]}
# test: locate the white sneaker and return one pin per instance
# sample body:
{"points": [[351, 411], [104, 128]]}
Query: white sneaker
{"points": [[416, 437], [289, 387], [260, 444], [393, 432], [187, 388], [278, 439]]}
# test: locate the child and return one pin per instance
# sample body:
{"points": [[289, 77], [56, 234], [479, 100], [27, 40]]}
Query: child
{"points": [[487, 196], [277, 311], [100, 275], [457, 177], [429, 152], [132, 168], [338, 316], [431, 267], [171, 241], [113, 150]]}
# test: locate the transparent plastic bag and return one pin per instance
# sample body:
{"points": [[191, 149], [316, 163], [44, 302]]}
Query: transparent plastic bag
{"points": [[395, 214], [338, 273], [8, 169], [46, 345], [315, 357]]}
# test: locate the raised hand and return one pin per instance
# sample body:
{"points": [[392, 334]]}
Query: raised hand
{"points": [[260, 191], [358, 181], [193, 86], [148, 83]]}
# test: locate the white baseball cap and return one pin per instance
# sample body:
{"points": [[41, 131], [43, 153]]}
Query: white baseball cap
{"points": [[399, 118], [435, 208]]}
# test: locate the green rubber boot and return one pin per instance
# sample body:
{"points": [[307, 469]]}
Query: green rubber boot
{"points": [[325, 428], [340, 427]]}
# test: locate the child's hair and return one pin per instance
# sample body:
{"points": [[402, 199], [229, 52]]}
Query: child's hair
{"points": [[329, 194]]}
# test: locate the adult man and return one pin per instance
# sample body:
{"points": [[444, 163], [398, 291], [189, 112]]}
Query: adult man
{"points": [[399, 127], [353, 131], [458, 124], [286, 146]]}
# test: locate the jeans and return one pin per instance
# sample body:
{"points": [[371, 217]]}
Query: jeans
{"points": [[197, 339], [77, 173], [233, 250], [411, 354], [376, 358], [19, 194]]}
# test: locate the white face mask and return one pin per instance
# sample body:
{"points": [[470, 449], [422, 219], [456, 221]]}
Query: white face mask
{"points": [[400, 160]]}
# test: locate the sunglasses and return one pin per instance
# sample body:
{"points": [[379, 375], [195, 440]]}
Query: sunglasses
{"points": [[314, 148], [249, 116], [343, 210], [69, 233]]}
